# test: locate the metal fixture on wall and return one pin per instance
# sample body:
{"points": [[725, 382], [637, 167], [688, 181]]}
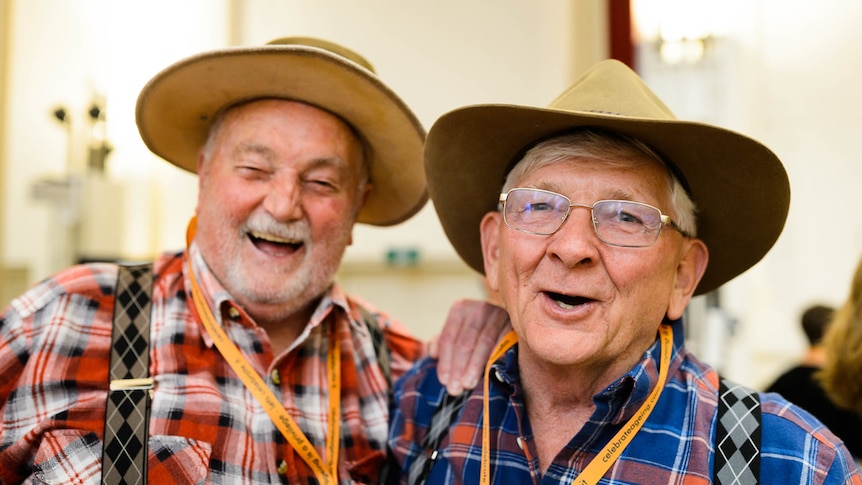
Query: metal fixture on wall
{"points": [[98, 145], [66, 193]]}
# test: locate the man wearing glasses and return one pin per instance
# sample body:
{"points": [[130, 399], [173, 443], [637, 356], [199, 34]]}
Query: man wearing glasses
{"points": [[596, 218]]}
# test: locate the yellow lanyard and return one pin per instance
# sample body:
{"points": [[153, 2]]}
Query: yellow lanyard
{"points": [[326, 473], [596, 469]]}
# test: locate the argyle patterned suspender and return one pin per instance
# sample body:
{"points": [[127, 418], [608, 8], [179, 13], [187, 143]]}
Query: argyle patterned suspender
{"points": [[124, 452], [737, 436], [381, 350]]}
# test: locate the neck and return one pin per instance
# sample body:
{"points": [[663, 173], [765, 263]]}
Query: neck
{"points": [[572, 385], [814, 357], [282, 326], [558, 404], [551, 390], [282, 337]]}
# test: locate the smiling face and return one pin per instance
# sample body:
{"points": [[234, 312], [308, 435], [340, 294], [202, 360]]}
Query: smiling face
{"points": [[281, 184], [576, 302]]}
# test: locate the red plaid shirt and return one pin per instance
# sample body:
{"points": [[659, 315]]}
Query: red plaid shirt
{"points": [[205, 426]]}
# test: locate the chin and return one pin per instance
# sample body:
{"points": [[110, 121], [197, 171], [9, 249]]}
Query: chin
{"points": [[558, 350]]}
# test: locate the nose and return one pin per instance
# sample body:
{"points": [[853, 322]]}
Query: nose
{"points": [[575, 242], [284, 200]]}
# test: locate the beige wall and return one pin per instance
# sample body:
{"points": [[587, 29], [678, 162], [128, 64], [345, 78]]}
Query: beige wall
{"points": [[12, 280], [784, 72]]}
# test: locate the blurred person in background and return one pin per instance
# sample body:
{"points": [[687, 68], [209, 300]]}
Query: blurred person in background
{"points": [[841, 374], [799, 385]]}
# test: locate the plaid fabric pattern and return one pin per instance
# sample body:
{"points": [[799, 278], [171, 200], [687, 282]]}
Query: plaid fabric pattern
{"points": [[204, 425], [675, 445], [445, 414]]}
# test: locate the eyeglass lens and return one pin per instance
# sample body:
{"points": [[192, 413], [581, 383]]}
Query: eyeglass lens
{"points": [[616, 222]]}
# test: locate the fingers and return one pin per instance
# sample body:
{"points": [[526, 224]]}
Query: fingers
{"points": [[469, 335], [495, 325], [433, 347], [452, 333]]}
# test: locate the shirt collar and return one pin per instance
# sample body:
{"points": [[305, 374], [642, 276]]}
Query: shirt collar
{"points": [[644, 376]]}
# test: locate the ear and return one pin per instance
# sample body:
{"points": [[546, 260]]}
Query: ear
{"points": [[201, 164], [689, 271], [367, 190], [361, 198], [489, 229], [201, 171]]}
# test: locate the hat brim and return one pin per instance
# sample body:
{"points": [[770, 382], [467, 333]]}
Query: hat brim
{"points": [[740, 188], [176, 108]]}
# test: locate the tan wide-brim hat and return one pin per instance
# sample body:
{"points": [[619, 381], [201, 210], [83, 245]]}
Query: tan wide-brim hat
{"points": [[176, 108], [739, 186]]}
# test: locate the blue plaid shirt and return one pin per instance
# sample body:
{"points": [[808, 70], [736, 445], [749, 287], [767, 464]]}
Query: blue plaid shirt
{"points": [[676, 444]]}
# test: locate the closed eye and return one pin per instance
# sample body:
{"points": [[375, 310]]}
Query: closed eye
{"points": [[252, 172], [321, 185]]}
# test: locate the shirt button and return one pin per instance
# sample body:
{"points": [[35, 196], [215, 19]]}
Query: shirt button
{"points": [[233, 313], [282, 467], [497, 375], [276, 377]]}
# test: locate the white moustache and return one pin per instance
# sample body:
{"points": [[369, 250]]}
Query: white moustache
{"points": [[266, 228]]}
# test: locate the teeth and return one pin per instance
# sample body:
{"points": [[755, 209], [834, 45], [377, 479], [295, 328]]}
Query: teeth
{"points": [[564, 306], [271, 238]]}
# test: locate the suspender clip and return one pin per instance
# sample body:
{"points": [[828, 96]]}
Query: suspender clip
{"points": [[143, 383]]}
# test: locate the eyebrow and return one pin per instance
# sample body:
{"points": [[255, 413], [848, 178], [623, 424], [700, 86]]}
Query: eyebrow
{"points": [[333, 161], [268, 153], [256, 148], [622, 195], [617, 194], [549, 186]]}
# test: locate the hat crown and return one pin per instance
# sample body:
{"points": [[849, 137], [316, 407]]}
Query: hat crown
{"points": [[612, 88], [176, 108], [326, 45]]}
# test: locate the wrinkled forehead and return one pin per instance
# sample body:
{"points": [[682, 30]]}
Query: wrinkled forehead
{"points": [[301, 110]]}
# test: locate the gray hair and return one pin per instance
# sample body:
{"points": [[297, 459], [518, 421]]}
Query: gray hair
{"points": [[611, 149]]}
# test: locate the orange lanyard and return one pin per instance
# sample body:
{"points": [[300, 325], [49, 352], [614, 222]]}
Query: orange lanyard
{"points": [[596, 469], [326, 473]]}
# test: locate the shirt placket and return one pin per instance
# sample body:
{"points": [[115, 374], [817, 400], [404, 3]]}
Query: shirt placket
{"points": [[268, 443]]}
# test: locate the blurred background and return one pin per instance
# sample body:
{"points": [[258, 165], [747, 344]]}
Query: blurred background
{"points": [[77, 184]]}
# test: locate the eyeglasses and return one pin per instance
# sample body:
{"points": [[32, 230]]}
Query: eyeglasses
{"points": [[616, 222]]}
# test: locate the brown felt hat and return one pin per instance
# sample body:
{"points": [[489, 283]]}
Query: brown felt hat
{"points": [[176, 108], [739, 186]]}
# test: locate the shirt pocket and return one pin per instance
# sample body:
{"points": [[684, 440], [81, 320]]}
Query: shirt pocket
{"points": [[175, 459], [75, 456], [68, 456]]}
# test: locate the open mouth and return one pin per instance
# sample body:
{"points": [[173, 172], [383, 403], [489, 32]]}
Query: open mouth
{"points": [[567, 302], [273, 244]]}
